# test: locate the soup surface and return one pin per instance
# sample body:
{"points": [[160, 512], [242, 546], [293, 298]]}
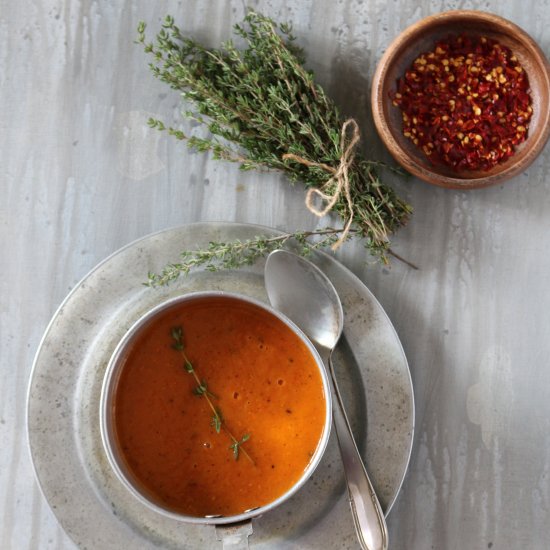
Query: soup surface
{"points": [[263, 384]]}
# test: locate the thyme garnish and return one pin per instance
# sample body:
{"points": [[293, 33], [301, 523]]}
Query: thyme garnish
{"points": [[237, 444], [217, 420], [202, 390], [264, 110], [237, 253]]}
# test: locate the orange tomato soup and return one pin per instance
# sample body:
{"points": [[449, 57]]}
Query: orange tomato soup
{"points": [[264, 382]]}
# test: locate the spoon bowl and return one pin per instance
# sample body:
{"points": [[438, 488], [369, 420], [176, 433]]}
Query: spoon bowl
{"points": [[323, 317]]}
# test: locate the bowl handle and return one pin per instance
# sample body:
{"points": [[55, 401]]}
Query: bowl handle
{"points": [[234, 536]]}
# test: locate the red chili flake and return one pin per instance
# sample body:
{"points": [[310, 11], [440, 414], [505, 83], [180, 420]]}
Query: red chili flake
{"points": [[466, 104]]}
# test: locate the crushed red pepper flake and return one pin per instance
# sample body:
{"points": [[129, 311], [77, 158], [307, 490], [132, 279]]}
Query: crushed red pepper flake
{"points": [[466, 104]]}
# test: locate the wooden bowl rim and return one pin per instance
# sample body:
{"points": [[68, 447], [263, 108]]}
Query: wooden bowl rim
{"points": [[401, 155]]}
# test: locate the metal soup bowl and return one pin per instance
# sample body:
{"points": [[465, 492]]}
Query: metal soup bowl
{"points": [[108, 414]]}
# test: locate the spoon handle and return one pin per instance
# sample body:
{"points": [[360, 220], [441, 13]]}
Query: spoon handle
{"points": [[367, 513]]}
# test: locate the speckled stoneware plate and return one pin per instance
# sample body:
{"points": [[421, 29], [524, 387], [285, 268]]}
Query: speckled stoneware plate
{"points": [[63, 403]]}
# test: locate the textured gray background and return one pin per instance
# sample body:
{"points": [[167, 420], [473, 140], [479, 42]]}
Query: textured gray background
{"points": [[81, 175]]}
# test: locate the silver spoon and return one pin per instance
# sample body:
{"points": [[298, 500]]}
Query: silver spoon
{"points": [[303, 293]]}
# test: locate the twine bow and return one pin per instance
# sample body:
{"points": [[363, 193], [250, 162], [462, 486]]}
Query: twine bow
{"points": [[339, 179]]}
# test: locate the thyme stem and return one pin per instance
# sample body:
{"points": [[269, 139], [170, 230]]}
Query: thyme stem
{"points": [[237, 253], [218, 420]]}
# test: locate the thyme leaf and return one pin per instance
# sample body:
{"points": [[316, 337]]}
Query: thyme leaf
{"points": [[202, 388], [236, 445], [217, 420]]}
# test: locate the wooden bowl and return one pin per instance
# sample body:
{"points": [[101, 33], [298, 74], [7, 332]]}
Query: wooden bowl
{"points": [[420, 38]]}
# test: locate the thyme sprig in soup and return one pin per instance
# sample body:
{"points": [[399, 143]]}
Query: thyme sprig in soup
{"points": [[264, 390], [218, 421]]}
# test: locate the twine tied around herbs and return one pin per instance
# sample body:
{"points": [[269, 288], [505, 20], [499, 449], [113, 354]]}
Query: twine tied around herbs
{"points": [[339, 178]]}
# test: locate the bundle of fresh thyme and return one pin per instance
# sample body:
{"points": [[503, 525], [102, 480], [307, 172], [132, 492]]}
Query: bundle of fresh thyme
{"points": [[264, 110]]}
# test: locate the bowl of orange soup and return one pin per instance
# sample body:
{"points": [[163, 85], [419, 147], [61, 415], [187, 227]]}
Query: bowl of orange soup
{"points": [[215, 408]]}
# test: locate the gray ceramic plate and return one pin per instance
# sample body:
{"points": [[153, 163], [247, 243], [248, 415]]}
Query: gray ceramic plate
{"points": [[63, 403]]}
